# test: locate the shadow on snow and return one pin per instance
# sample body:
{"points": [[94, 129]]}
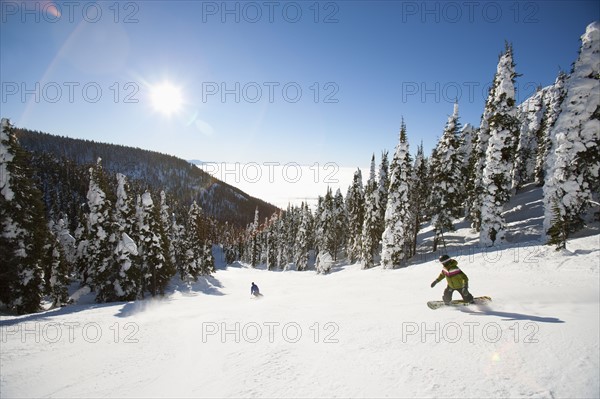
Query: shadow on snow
{"points": [[48, 315], [510, 316]]}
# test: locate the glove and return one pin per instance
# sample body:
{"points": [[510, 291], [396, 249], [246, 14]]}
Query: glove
{"points": [[433, 284]]}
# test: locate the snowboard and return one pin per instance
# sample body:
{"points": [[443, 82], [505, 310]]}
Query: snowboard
{"points": [[480, 300], [256, 296]]}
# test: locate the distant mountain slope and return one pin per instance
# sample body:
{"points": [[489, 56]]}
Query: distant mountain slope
{"points": [[182, 180]]}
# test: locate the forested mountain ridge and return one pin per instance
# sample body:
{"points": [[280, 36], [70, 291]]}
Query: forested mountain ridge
{"points": [[181, 180]]}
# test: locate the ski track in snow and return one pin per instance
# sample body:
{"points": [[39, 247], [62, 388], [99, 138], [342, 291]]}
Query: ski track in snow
{"points": [[352, 333]]}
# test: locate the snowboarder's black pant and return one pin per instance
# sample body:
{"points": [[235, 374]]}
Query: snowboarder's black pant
{"points": [[464, 292]]}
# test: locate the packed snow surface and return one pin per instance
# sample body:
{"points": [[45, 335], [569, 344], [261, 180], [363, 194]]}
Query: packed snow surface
{"points": [[351, 333]]}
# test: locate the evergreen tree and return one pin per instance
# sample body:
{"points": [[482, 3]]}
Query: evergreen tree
{"points": [[530, 115], [419, 195], [67, 242], [57, 274], [504, 129], [302, 239], [282, 240], [466, 140], [272, 243], [263, 238], [478, 187], [340, 224], [61, 252], [194, 241], [559, 230], [330, 223], [552, 107], [153, 248], [23, 229], [254, 241], [573, 176], [355, 203], [127, 282], [228, 243], [469, 140], [370, 238], [290, 231], [324, 262], [320, 223], [81, 254], [102, 269], [166, 218], [446, 177], [208, 261], [395, 239], [383, 184]]}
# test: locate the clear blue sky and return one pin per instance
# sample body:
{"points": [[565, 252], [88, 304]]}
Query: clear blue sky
{"points": [[361, 67]]}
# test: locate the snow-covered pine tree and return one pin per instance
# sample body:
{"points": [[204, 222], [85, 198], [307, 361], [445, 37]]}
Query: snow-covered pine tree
{"points": [[419, 196], [63, 255], [102, 268], [446, 179], [81, 248], [320, 227], [340, 224], [128, 278], [227, 244], [530, 114], [324, 262], [208, 262], [302, 239], [329, 223], [57, 275], [153, 248], [23, 229], [192, 264], [469, 140], [504, 130], [254, 249], [292, 221], [281, 240], [271, 242], [125, 212], [264, 236], [573, 176], [478, 158], [166, 218], [355, 204], [370, 239], [552, 106], [383, 185], [67, 242], [396, 237]]}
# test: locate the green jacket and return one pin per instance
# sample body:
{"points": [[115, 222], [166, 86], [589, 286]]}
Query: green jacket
{"points": [[454, 276]]}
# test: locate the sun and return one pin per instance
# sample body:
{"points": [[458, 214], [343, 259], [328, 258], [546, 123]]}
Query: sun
{"points": [[166, 98]]}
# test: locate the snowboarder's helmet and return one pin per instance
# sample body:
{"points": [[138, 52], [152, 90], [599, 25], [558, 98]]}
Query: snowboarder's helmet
{"points": [[444, 258]]}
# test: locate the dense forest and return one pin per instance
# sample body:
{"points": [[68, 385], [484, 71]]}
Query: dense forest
{"points": [[58, 161]]}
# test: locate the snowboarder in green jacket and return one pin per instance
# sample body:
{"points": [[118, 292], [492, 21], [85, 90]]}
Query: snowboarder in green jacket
{"points": [[457, 280]]}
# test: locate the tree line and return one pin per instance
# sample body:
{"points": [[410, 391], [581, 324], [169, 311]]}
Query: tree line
{"points": [[552, 139]]}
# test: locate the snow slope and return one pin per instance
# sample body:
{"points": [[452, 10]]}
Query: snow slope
{"points": [[352, 333]]}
